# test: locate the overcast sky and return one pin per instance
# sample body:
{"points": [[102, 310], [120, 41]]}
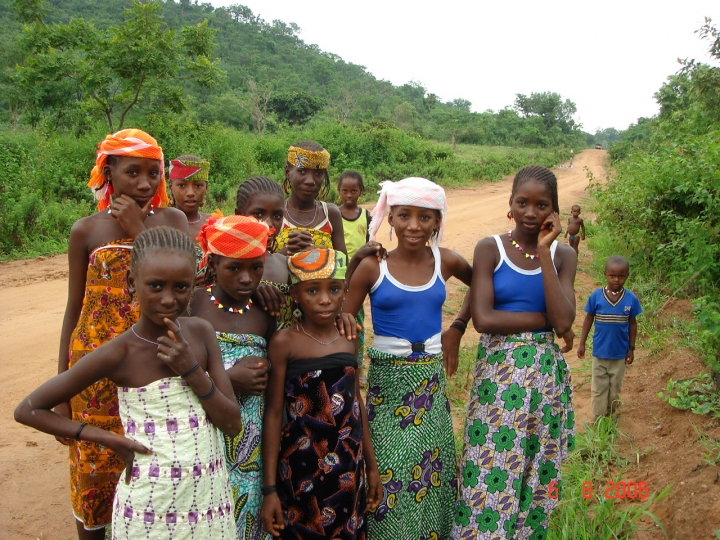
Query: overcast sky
{"points": [[609, 57]]}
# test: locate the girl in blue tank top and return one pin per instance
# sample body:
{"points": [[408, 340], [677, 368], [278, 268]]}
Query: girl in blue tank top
{"points": [[408, 411], [520, 420]]}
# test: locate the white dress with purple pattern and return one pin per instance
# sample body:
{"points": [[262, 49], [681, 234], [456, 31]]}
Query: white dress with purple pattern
{"points": [[181, 490]]}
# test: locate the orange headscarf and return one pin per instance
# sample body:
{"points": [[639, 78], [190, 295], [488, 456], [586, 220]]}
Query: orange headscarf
{"points": [[237, 237], [127, 142]]}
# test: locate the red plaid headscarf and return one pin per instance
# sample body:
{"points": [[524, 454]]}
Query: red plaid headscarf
{"points": [[127, 142], [237, 237], [412, 191]]}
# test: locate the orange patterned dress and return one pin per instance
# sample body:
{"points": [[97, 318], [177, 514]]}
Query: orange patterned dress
{"points": [[106, 313]]}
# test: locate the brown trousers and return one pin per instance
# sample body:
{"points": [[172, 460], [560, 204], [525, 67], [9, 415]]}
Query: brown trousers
{"points": [[607, 379]]}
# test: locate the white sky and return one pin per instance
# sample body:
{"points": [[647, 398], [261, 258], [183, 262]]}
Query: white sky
{"points": [[609, 57]]}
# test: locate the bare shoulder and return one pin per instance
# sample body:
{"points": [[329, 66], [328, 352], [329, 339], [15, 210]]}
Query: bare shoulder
{"points": [[565, 256], [170, 216], [281, 342], [196, 327], [487, 246]]}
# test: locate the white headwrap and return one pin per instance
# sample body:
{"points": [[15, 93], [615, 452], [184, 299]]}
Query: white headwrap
{"points": [[409, 192]]}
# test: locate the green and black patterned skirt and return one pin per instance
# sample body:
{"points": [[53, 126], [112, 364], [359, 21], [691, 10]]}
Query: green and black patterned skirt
{"points": [[412, 435], [519, 429]]}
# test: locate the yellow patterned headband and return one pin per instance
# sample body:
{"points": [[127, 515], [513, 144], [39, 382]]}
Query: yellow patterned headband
{"points": [[307, 159]]}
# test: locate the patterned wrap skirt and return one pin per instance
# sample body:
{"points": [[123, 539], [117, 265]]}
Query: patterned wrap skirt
{"points": [[519, 429], [412, 435]]}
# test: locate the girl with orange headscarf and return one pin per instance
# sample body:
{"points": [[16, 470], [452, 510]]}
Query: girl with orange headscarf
{"points": [[128, 181]]}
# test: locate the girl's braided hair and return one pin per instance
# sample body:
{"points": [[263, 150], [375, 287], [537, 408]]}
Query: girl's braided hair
{"points": [[253, 186], [312, 146], [540, 174], [160, 239]]}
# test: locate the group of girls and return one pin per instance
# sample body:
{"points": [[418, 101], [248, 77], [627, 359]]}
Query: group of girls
{"points": [[222, 376]]}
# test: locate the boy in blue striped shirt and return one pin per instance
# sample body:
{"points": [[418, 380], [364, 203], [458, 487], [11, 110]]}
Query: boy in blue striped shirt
{"points": [[613, 309]]}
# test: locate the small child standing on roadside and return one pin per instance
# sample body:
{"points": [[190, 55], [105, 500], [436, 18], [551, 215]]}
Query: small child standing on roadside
{"points": [[614, 309], [575, 225], [356, 224]]}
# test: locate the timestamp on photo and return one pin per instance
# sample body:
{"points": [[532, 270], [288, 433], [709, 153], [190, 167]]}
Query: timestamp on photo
{"points": [[612, 490]]}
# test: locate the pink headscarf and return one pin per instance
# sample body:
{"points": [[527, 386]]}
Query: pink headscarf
{"points": [[412, 191]]}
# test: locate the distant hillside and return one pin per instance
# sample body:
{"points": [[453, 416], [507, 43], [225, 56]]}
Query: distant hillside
{"points": [[273, 60]]}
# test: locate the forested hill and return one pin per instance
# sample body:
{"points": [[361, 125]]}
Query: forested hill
{"points": [[265, 75]]}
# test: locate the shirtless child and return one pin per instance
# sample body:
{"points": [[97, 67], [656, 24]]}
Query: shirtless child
{"points": [[575, 224]]}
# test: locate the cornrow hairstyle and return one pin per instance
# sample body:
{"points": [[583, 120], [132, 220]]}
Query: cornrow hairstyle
{"points": [[253, 186], [160, 239], [312, 146], [351, 173], [539, 174]]}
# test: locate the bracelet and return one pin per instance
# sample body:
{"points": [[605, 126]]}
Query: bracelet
{"points": [[77, 433], [267, 490], [189, 371], [458, 326], [211, 393], [631, 347]]}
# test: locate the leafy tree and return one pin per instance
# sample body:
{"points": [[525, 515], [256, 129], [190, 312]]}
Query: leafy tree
{"points": [[550, 107], [77, 67], [462, 104], [295, 108]]}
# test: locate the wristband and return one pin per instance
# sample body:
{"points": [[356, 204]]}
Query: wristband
{"points": [[211, 393], [77, 433], [458, 326], [189, 371], [267, 490], [631, 347]]}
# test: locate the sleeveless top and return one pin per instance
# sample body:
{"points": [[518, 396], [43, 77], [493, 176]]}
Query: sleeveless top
{"points": [[518, 290], [321, 233], [408, 312], [356, 232]]}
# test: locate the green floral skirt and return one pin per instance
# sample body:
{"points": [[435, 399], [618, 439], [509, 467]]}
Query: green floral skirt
{"points": [[412, 436], [519, 428]]}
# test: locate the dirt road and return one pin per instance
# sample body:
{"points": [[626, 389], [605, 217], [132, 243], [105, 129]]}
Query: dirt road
{"points": [[34, 483]]}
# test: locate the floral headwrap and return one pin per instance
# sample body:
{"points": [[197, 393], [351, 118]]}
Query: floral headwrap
{"points": [[237, 237], [196, 171], [127, 142], [299, 157], [412, 191], [318, 263]]}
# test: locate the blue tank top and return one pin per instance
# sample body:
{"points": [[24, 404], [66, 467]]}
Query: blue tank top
{"points": [[404, 311], [518, 290]]}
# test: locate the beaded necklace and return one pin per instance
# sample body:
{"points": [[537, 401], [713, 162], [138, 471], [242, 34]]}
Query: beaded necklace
{"points": [[228, 309], [520, 249]]}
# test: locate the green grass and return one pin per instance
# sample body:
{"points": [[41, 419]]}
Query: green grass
{"points": [[593, 516]]}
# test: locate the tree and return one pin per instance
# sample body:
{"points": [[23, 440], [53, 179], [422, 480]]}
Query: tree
{"points": [[462, 104], [344, 104], [550, 107], [256, 104], [295, 108], [77, 68]]}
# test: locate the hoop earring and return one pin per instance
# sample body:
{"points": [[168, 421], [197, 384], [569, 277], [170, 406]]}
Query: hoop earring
{"points": [[509, 215], [286, 185]]}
